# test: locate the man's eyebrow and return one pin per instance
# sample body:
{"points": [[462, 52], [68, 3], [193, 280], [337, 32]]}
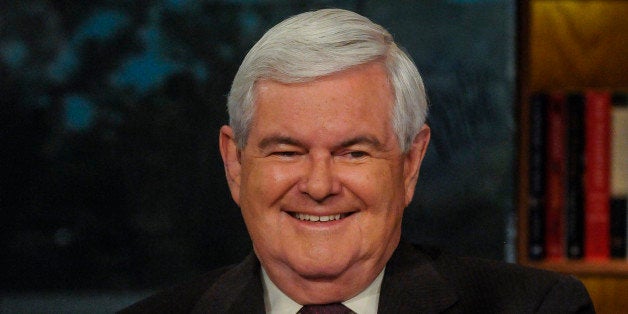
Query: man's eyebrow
{"points": [[286, 140], [363, 140], [278, 140]]}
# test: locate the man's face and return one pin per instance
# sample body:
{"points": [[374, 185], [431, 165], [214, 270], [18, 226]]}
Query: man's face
{"points": [[322, 182]]}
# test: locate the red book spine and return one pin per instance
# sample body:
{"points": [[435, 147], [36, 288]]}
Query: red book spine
{"points": [[597, 175], [556, 175]]}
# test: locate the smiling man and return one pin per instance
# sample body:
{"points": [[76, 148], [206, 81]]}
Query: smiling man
{"points": [[322, 181], [322, 154]]}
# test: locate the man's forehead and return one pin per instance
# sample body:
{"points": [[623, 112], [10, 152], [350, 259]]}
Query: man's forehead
{"points": [[348, 104]]}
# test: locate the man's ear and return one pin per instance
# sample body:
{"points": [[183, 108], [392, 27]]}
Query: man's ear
{"points": [[413, 159], [231, 160]]}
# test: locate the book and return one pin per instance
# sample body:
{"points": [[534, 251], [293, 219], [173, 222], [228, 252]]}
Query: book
{"points": [[619, 208], [555, 171], [619, 175], [575, 168], [596, 175], [536, 198]]}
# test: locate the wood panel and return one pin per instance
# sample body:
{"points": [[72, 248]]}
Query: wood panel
{"points": [[609, 294], [576, 44]]}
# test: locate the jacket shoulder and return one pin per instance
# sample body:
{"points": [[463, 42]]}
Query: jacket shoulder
{"points": [[180, 298], [506, 287]]}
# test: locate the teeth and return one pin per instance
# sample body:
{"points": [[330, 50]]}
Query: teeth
{"points": [[318, 218]]}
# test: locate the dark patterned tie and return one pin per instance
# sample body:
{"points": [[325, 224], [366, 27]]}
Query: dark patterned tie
{"points": [[333, 308]]}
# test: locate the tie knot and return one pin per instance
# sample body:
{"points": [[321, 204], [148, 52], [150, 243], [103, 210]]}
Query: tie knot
{"points": [[332, 308]]}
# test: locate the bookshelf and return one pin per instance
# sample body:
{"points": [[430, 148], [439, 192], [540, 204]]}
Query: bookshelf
{"points": [[570, 45]]}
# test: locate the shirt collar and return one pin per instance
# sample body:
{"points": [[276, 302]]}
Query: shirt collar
{"points": [[277, 302]]}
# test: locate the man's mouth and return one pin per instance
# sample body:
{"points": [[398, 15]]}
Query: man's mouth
{"points": [[314, 218]]}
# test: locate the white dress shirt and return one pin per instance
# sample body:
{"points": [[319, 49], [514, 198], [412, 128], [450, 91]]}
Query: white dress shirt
{"points": [[277, 302]]}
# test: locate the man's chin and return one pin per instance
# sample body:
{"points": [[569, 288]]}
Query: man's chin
{"points": [[320, 275], [323, 270]]}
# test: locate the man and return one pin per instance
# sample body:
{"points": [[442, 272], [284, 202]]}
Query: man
{"points": [[326, 137]]}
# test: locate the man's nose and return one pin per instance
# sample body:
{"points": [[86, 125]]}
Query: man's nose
{"points": [[320, 180]]}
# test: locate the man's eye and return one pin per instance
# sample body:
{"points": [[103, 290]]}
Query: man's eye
{"points": [[357, 154], [285, 153]]}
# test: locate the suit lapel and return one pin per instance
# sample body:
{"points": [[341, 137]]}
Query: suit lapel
{"points": [[237, 291], [412, 285]]}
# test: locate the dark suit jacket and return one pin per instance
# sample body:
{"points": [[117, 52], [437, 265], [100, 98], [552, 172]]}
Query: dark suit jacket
{"points": [[416, 281]]}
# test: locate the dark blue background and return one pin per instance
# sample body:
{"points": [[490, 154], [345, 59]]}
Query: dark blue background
{"points": [[110, 173]]}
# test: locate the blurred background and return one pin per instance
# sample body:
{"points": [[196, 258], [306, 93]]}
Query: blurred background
{"points": [[111, 181]]}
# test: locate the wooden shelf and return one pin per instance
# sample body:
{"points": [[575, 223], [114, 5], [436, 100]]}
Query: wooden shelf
{"points": [[612, 268], [570, 45], [565, 45]]}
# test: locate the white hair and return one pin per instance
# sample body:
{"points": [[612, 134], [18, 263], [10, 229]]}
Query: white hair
{"points": [[314, 44]]}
